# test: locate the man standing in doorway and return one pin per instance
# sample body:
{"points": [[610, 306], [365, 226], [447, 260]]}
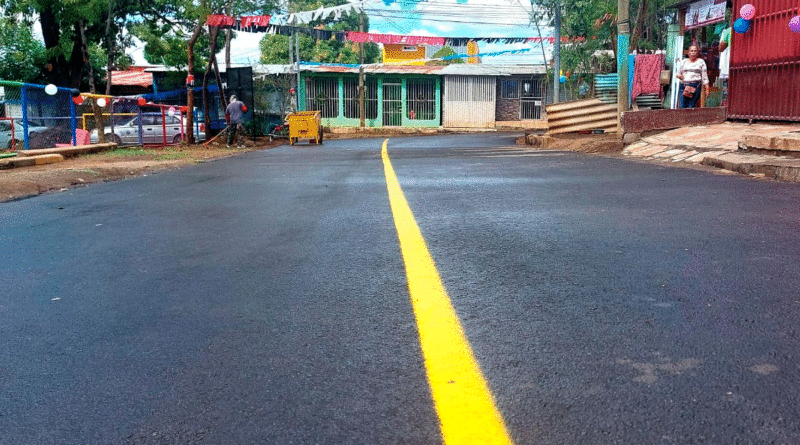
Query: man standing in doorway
{"points": [[235, 112]]}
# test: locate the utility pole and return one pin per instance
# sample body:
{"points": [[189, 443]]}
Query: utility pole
{"points": [[557, 53], [297, 60], [291, 67], [361, 105], [623, 40]]}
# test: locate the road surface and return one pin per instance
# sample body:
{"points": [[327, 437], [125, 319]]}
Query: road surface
{"points": [[345, 294]]}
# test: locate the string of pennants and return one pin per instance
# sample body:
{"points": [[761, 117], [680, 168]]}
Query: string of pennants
{"points": [[262, 24], [405, 62]]}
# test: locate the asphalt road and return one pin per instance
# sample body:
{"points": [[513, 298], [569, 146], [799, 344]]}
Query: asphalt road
{"points": [[263, 299]]}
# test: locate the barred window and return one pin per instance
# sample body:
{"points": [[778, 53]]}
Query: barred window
{"points": [[351, 99], [532, 88], [421, 99], [322, 94], [509, 89]]}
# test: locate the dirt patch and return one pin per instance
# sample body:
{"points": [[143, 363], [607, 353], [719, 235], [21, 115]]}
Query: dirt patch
{"points": [[112, 165], [585, 143]]}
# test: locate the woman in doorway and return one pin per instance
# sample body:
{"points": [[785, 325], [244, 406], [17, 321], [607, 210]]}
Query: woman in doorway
{"points": [[693, 74]]}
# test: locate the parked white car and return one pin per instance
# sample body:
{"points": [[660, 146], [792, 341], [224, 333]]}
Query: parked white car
{"points": [[6, 139], [152, 129]]}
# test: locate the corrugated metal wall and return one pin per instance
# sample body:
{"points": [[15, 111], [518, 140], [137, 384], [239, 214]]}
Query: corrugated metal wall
{"points": [[469, 101], [765, 64], [581, 115]]}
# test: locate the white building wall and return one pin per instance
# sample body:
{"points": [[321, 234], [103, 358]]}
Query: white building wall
{"points": [[469, 101]]}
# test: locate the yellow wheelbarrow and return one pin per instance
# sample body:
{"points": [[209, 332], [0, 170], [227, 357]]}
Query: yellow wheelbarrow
{"points": [[305, 125]]}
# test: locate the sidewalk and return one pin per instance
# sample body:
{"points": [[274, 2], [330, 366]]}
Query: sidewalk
{"points": [[763, 150]]}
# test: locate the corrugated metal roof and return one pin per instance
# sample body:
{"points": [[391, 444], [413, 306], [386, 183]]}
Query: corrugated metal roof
{"points": [[136, 77], [380, 68], [466, 69], [272, 69], [456, 69]]}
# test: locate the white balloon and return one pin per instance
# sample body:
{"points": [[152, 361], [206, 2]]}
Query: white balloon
{"points": [[101, 102], [171, 112], [51, 89]]}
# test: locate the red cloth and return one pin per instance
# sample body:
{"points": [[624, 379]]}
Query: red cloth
{"points": [[646, 72], [220, 20], [364, 37], [255, 20]]}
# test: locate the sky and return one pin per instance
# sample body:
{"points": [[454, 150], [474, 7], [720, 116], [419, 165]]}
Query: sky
{"points": [[437, 18]]}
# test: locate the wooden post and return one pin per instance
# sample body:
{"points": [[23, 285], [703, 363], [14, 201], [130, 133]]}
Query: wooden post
{"points": [[362, 111]]}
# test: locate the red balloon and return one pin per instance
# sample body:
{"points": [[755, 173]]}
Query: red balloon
{"points": [[141, 101], [244, 108], [78, 99]]}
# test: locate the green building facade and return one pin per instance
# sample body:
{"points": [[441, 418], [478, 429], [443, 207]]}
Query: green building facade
{"points": [[391, 99]]}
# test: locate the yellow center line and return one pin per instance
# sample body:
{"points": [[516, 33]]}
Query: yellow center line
{"points": [[463, 402]]}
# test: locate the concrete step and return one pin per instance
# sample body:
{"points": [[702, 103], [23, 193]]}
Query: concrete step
{"points": [[72, 150], [782, 168], [786, 144], [28, 161]]}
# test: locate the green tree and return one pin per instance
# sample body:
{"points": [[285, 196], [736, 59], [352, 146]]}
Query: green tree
{"points": [[275, 48], [167, 45], [72, 29], [21, 55], [444, 52]]}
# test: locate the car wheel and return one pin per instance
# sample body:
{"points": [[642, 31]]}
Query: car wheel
{"points": [[177, 139], [11, 145], [116, 139]]}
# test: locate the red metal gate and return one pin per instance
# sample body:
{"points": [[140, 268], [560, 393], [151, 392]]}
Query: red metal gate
{"points": [[765, 64]]}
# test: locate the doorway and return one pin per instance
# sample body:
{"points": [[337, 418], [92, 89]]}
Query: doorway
{"points": [[392, 103]]}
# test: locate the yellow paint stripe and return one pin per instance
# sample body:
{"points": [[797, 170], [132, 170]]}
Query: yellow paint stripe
{"points": [[463, 402]]}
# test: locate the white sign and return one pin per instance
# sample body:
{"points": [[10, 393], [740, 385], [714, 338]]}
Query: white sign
{"points": [[704, 12]]}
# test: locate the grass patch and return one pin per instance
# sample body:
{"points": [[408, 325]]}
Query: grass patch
{"points": [[123, 152], [172, 156]]}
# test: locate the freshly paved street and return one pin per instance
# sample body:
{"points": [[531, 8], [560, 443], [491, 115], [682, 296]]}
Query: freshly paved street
{"points": [[264, 299]]}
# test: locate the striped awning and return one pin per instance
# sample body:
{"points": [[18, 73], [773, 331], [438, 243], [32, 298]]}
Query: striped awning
{"points": [[131, 77]]}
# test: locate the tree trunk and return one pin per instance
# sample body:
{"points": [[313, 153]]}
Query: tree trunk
{"points": [[189, 89], [98, 112], [637, 29], [222, 100], [228, 38], [110, 41], [213, 32]]}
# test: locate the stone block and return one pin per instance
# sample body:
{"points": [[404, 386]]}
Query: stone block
{"points": [[629, 138]]}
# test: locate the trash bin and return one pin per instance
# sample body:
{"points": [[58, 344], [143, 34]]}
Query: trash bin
{"points": [[305, 125]]}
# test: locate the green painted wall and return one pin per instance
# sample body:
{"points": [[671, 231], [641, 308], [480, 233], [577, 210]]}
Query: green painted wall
{"points": [[341, 121]]}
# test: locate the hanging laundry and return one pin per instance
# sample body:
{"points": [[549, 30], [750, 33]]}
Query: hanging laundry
{"points": [[257, 21], [646, 73], [220, 20]]}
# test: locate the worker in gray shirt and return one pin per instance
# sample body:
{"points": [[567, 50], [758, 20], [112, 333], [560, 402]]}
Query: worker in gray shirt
{"points": [[235, 112]]}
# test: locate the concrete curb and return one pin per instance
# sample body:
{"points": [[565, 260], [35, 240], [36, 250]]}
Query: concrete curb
{"points": [[69, 151], [782, 169], [29, 161]]}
